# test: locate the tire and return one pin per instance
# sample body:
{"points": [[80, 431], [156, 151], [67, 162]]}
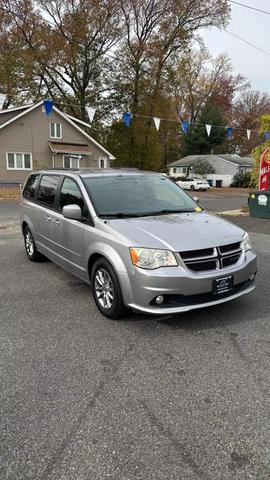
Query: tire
{"points": [[30, 246], [192, 188], [106, 290]]}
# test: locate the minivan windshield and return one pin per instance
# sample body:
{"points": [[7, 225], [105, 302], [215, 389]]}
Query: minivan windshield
{"points": [[137, 195]]}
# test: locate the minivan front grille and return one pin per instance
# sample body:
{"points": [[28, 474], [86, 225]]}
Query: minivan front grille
{"points": [[215, 258]]}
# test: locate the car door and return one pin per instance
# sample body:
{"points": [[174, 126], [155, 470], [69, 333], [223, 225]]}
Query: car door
{"points": [[186, 184], [68, 233], [44, 213]]}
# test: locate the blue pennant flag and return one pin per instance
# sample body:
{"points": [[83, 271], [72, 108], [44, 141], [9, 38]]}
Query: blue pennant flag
{"points": [[185, 126], [266, 136], [229, 133], [48, 105], [127, 118]]}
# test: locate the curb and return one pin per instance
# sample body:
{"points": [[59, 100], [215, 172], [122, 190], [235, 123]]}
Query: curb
{"points": [[234, 213]]}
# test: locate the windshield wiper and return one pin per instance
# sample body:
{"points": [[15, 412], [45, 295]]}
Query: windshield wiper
{"points": [[143, 214], [168, 211]]}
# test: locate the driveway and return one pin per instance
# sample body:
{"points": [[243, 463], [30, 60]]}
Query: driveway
{"points": [[85, 398], [219, 202]]}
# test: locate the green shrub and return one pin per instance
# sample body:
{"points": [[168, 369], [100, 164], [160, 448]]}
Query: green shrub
{"points": [[241, 180]]}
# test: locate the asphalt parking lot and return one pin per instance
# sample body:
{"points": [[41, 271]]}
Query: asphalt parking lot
{"points": [[218, 202], [85, 398]]}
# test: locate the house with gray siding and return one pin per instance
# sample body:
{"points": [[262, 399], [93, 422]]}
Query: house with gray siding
{"points": [[225, 166], [32, 140]]}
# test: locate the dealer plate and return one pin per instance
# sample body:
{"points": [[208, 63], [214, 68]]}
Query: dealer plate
{"points": [[223, 285]]}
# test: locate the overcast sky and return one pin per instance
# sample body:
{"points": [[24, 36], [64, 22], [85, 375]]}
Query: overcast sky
{"points": [[253, 27]]}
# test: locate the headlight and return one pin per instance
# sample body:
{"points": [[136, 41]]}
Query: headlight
{"points": [[150, 258], [246, 243]]}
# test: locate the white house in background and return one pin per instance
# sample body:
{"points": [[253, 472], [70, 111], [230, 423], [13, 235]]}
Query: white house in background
{"points": [[226, 166]]}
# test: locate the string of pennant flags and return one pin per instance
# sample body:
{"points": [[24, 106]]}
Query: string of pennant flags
{"points": [[127, 119], [185, 126]]}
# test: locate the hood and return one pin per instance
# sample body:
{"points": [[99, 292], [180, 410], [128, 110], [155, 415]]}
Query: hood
{"points": [[178, 232]]}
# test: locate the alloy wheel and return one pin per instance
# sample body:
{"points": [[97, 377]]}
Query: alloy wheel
{"points": [[29, 243], [104, 288]]}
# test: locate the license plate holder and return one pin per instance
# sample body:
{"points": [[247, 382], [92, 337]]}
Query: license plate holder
{"points": [[223, 285]]}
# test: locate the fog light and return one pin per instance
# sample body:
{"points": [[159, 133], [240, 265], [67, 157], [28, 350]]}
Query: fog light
{"points": [[252, 277], [159, 299]]}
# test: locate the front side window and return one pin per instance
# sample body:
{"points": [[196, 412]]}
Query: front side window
{"points": [[55, 130], [70, 194], [30, 186], [19, 161], [137, 195], [47, 189]]}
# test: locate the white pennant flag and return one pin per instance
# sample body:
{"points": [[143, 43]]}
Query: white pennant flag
{"points": [[91, 113], [157, 122], [2, 100], [248, 134], [208, 129]]}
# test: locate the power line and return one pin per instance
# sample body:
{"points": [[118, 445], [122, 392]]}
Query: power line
{"points": [[247, 42], [251, 8]]}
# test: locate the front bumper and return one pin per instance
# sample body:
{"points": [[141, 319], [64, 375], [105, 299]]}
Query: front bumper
{"points": [[183, 289]]}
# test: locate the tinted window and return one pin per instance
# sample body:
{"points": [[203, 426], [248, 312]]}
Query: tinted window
{"points": [[70, 194], [47, 189], [30, 187]]}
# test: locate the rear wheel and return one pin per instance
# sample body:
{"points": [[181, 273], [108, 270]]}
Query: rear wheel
{"points": [[106, 290], [192, 188], [30, 246]]}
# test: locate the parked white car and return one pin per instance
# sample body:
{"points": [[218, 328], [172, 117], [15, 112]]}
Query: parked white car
{"points": [[194, 184]]}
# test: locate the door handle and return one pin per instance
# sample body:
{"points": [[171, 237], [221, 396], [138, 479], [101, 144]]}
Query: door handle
{"points": [[48, 218]]}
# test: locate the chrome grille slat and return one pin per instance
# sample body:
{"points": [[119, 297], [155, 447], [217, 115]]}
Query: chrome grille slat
{"points": [[233, 252], [222, 257]]}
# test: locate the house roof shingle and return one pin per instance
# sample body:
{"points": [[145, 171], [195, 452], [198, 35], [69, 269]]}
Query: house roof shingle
{"points": [[192, 159]]}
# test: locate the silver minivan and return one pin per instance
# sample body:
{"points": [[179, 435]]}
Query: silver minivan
{"points": [[137, 238]]}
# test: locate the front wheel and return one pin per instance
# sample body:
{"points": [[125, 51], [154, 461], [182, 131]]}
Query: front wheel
{"points": [[106, 290], [192, 188]]}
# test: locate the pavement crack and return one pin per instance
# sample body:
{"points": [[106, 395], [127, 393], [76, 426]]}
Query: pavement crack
{"points": [[181, 448], [109, 374]]}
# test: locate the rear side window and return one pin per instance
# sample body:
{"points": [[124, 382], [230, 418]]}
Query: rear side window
{"points": [[30, 186], [47, 189]]}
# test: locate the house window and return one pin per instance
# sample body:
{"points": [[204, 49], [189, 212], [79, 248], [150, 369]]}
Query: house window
{"points": [[102, 163], [19, 161], [174, 170], [55, 130], [184, 169], [71, 161]]}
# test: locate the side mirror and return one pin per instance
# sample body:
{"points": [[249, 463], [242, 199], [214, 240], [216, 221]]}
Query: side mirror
{"points": [[72, 211], [196, 199]]}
